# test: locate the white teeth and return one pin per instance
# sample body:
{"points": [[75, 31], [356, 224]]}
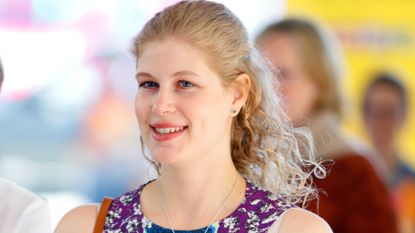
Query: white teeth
{"points": [[168, 130]]}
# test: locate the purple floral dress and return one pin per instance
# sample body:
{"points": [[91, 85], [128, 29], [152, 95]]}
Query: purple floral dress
{"points": [[258, 211]]}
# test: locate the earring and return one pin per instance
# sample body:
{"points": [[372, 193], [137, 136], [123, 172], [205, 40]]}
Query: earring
{"points": [[234, 111]]}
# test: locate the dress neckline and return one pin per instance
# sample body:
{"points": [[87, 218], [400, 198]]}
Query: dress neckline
{"points": [[249, 189]]}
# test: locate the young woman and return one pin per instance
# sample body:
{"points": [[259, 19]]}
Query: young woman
{"points": [[208, 115], [354, 199]]}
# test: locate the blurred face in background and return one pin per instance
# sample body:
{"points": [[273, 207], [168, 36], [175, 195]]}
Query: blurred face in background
{"points": [[384, 114], [299, 91]]}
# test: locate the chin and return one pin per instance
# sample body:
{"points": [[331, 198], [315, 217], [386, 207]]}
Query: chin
{"points": [[167, 157]]}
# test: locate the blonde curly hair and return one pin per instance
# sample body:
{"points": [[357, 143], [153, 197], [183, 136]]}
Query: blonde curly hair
{"points": [[263, 146]]}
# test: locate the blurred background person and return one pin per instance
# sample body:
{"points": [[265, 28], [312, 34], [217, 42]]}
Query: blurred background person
{"points": [[385, 107], [21, 211], [353, 198]]}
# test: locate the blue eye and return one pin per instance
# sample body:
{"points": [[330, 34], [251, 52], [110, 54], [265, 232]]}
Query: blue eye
{"points": [[148, 84], [185, 84]]}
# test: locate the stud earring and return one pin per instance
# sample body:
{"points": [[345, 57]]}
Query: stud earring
{"points": [[234, 111]]}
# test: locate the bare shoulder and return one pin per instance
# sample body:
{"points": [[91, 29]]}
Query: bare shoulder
{"points": [[80, 219], [298, 220]]}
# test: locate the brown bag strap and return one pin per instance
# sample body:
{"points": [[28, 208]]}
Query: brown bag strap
{"points": [[103, 210]]}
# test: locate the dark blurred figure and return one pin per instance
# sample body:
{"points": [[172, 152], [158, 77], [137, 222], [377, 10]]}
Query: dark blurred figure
{"points": [[353, 197], [385, 112]]}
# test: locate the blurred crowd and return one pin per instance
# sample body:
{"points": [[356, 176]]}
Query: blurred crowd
{"points": [[366, 190], [72, 136]]}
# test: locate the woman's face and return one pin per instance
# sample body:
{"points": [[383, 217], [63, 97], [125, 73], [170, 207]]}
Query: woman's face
{"points": [[296, 86], [182, 107]]}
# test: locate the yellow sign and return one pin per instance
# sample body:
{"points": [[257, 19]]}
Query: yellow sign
{"points": [[374, 34]]}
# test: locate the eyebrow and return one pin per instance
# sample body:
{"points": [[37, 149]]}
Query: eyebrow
{"points": [[143, 74], [185, 72], [179, 73]]}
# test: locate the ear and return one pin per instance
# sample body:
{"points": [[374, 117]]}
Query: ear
{"points": [[241, 86]]}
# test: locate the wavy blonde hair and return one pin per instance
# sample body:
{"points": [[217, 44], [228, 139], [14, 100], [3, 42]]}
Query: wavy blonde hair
{"points": [[263, 146]]}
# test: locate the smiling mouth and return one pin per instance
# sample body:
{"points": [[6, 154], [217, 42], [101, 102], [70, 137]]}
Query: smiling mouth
{"points": [[166, 133], [169, 130]]}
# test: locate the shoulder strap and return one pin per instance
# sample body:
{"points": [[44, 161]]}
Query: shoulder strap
{"points": [[102, 214]]}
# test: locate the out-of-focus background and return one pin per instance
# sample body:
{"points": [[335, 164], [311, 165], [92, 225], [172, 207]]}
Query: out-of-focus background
{"points": [[374, 36], [67, 123]]}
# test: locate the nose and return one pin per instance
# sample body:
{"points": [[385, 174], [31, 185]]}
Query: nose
{"points": [[163, 103]]}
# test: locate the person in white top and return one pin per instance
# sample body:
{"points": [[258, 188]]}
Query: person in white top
{"points": [[21, 211]]}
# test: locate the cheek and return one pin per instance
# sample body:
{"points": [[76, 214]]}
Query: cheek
{"points": [[142, 109], [311, 94], [300, 97], [299, 93], [288, 91], [382, 126], [202, 109], [210, 111]]}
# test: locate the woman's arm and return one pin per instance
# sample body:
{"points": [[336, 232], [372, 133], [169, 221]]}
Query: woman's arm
{"points": [[78, 220], [297, 220]]}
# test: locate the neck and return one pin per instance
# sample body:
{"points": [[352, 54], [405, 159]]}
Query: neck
{"points": [[329, 139], [195, 193], [201, 180], [389, 154]]}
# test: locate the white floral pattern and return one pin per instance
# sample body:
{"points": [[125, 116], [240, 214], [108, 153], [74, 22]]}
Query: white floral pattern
{"points": [[258, 211]]}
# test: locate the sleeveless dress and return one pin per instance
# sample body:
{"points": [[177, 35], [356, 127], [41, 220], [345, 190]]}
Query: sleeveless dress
{"points": [[257, 212]]}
